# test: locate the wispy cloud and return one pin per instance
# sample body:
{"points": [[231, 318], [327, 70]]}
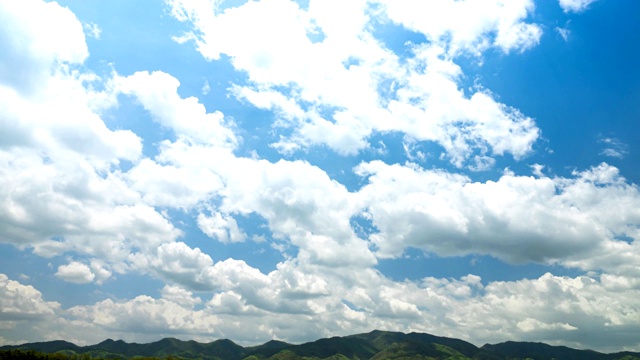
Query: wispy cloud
{"points": [[564, 32], [206, 88], [614, 148], [92, 30]]}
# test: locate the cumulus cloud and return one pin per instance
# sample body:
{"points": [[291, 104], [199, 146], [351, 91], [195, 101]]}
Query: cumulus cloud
{"points": [[551, 308], [35, 34], [146, 314], [166, 185], [333, 92], [61, 188], [23, 302], [180, 296], [464, 124], [157, 92], [79, 273], [517, 218], [75, 272], [468, 25], [559, 310], [179, 263], [223, 228], [301, 203]]}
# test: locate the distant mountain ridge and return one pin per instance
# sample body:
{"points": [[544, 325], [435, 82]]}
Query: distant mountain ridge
{"points": [[376, 345]]}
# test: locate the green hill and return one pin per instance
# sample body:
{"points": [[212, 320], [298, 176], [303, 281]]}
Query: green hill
{"points": [[376, 345]]}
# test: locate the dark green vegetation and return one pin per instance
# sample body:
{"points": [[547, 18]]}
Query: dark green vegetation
{"points": [[376, 345]]}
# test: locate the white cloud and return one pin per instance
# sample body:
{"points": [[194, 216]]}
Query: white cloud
{"points": [[300, 202], [100, 270], [461, 124], [178, 263], [167, 185], [62, 121], [221, 227], [75, 272], [79, 273], [34, 35], [482, 163], [222, 318], [575, 5], [60, 180], [336, 92], [553, 309], [93, 30], [468, 25], [564, 32], [55, 181], [536, 169], [558, 310], [530, 325], [206, 88], [144, 314], [614, 148], [180, 296], [517, 218], [20, 302], [610, 152], [158, 94]]}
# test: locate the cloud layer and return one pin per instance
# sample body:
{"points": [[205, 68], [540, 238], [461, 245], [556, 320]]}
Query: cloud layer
{"points": [[74, 187]]}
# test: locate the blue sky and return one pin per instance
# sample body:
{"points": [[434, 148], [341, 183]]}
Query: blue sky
{"points": [[274, 169]]}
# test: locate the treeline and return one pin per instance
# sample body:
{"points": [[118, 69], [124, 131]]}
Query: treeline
{"points": [[36, 355]]}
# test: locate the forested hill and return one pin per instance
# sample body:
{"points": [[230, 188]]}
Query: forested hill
{"points": [[376, 345]]}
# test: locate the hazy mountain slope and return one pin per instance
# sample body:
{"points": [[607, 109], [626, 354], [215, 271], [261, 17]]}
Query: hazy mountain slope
{"points": [[541, 351]]}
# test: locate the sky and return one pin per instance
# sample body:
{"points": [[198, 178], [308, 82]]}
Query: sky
{"points": [[280, 169]]}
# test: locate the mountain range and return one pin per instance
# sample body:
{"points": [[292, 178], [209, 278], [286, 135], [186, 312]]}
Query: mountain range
{"points": [[376, 345]]}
